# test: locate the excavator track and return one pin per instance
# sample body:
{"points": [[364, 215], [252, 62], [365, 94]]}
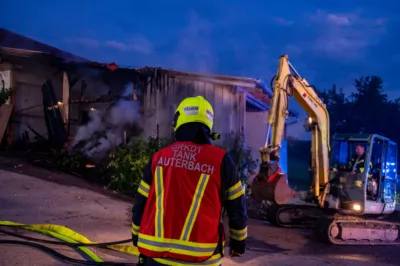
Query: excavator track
{"points": [[294, 215], [350, 230]]}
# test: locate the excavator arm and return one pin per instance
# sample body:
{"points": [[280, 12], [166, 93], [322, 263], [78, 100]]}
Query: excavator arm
{"points": [[270, 179]]}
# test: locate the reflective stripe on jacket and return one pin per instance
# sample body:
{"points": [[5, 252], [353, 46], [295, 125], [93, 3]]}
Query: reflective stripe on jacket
{"points": [[358, 165], [181, 219]]}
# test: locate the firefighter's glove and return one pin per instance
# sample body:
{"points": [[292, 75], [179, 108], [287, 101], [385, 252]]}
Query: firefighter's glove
{"points": [[236, 248], [142, 260], [214, 136]]}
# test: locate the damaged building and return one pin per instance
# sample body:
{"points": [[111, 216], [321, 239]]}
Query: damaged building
{"points": [[55, 94]]}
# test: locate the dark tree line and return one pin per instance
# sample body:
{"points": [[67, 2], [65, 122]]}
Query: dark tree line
{"points": [[367, 110]]}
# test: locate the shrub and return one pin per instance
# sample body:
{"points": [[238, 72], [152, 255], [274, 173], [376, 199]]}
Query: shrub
{"points": [[241, 155], [126, 165], [71, 162], [123, 169]]}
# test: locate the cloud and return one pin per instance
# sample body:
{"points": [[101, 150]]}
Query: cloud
{"points": [[333, 19], [338, 19], [193, 49], [345, 36], [87, 42], [139, 44], [282, 21], [117, 45]]}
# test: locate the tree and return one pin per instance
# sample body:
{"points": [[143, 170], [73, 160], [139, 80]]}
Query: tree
{"points": [[367, 110], [368, 88], [370, 105], [338, 108]]}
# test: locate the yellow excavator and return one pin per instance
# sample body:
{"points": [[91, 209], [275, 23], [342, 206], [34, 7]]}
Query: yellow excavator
{"points": [[345, 205]]}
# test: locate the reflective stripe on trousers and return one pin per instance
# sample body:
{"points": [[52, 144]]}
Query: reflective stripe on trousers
{"points": [[215, 260]]}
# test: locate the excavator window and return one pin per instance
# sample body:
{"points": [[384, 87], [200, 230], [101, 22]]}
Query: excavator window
{"points": [[378, 152], [339, 153], [343, 151], [389, 173], [377, 155], [383, 177]]}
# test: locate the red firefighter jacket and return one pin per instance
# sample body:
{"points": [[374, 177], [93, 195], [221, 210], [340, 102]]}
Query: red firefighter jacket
{"points": [[181, 219]]}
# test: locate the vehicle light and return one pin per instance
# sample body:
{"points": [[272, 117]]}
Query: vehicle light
{"points": [[357, 207]]}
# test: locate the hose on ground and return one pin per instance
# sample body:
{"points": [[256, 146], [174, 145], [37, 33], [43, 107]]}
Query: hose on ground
{"points": [[58, 255], [29, 238], [67, 235]]}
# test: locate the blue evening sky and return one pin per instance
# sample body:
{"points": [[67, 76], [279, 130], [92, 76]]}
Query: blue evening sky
{"points": [[327, 41]]}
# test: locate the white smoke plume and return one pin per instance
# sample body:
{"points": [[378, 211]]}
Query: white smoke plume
{"points": [[105, 129]]}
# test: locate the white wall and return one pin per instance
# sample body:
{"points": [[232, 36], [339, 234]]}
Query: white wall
{"points": [[256, 129]]}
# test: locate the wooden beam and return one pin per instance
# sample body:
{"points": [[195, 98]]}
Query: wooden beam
{"points": [[65, 99], [12, 103], [6, 111], [242, 113]]}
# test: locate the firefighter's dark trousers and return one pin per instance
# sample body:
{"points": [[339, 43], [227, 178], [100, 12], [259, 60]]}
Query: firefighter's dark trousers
{"points": [[146, 261]]}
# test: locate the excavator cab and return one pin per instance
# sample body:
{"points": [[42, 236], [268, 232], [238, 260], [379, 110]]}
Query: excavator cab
{"points": [[363, 174]]}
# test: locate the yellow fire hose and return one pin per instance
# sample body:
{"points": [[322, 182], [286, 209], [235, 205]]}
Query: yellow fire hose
{"points": [[70, 238]]}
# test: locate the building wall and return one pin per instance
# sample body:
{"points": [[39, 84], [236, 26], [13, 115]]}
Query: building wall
{"points": [[163, 94], [5, 108], [256, 130], [28, 101], [28, 78]]}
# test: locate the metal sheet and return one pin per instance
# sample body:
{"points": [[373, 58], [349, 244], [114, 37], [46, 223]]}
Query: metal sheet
{"points": [[166, 89]]}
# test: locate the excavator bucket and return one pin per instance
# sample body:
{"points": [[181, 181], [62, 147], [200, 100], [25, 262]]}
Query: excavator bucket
{"points": [[271, 185]]}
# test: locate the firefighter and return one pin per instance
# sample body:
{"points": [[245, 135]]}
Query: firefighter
{"points": [[177, 215], [356, 165]]}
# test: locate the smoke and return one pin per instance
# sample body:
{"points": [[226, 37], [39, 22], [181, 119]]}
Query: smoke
{"points": [[105, 128], [193, 50]]}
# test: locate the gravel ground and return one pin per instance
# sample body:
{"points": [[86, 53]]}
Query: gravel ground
{"points": [[61, 199]]}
